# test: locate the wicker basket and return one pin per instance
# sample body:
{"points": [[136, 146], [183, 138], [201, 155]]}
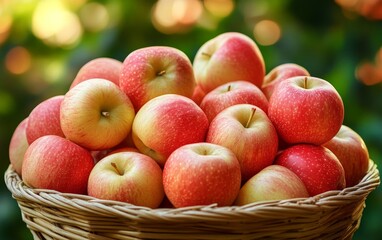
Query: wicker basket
{"points": [[53, 215]]}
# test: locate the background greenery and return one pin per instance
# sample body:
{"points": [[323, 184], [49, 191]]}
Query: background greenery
{"points": [[327, 40]]}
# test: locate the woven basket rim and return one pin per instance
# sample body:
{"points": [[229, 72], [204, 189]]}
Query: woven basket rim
{"points": [[20, 191], [54, 215]]}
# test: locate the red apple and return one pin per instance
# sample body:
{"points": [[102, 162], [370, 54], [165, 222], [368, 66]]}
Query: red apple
{"points": [[280, 73], [274, 182], [166, 123], [53, 162], [306, 110], [44, 119], [105, 68], [247, 131], [96, 114], [18, 146], [317, 167], [228, 57], [232, 93], [127, 177], [153, 71], [352, 152], [201, 174]]}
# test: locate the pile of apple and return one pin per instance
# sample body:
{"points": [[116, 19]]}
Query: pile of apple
{"points": [[159, 131]]}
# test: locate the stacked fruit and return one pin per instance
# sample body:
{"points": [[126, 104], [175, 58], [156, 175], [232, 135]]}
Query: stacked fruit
{"points": [[157, 130]]}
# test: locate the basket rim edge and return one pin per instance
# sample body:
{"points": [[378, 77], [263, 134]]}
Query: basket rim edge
{"points": [[367, 184]]}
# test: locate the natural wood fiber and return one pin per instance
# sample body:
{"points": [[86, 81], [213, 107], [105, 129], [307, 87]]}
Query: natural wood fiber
{"points": [[53, 215]]}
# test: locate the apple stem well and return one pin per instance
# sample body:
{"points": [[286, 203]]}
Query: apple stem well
{"points": [[250, 117], [205, 152], [116, 168], [206, 54], [161, 73], [229, 88], [105, 113]]}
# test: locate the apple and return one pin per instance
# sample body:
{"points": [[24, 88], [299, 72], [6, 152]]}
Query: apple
{"points": [[166, 123], [201, 174], [153, 71], [352, 152], [105, 68], [53, 162], [44, 119], [228, 57], [246, 130], [280, 73], [18, 146], [317, 167], [96, 114], [274, 182], [232, 93], [198, 95], [127, 177], [306, 110]]}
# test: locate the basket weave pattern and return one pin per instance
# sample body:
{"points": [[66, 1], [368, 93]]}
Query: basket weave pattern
{"points": [[53, 215]]}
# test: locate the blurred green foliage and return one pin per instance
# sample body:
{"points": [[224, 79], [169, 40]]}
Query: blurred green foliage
{"points": [[315, 34]]}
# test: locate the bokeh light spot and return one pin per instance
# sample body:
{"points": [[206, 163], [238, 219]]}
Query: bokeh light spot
{"points": [[187, 12], [55, 24], [18, 60], [267, 32], [162, 15], [6, 21], [347, 3], [219, 8], [94, 16], [53, 71], [370, 73], [173, 16]]}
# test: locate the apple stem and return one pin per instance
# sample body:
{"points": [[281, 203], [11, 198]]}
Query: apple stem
{"points": [[116, 168], [250, 117], [229, 88], [105, 113], [161, 73], [205, 152], [206, 54], [305, 82]]}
